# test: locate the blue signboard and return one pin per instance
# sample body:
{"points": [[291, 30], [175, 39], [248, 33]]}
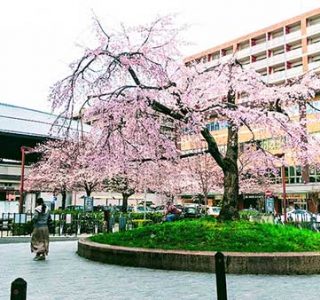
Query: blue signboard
{"points": [[269, 205], [88, 203]]}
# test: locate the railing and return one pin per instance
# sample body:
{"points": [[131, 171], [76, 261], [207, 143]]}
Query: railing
{"points": [[243, 53], [294, 53], [14, 224], [276, 59], [313, 29], [258, 48], [290, 37], [74, 224], [276, 42], [314, 48], [314, 65]]}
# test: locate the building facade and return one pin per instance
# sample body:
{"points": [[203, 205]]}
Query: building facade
{"points": [[278, 53]]}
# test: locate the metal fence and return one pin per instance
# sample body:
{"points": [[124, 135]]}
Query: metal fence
{"points": [[14, 224], [71, 224]]}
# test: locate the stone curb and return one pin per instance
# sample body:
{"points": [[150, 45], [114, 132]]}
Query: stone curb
{"points": [[26, 239], [280, 263]]}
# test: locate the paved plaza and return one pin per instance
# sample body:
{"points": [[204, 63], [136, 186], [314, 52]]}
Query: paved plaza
{"points": [[66, 276]]}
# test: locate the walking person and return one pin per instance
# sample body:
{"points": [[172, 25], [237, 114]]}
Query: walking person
{"points": [[40, 233]]}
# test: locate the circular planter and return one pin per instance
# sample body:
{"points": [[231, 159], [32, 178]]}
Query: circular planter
{"points": [[283, 263]]}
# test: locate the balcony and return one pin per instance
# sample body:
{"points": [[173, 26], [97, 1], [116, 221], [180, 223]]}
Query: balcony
{"points": [[314, 65], [313, 29], [313, 48], [277, 59], [258, 48], [278, 76], [293, 36], [246, 66], [225, 58], [259, 64], [294, 72], [243, 53], [211, 63], [276, 42], [294, 53]]}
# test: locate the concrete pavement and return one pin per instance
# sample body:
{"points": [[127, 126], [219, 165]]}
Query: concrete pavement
{"points": [[66, 276]]}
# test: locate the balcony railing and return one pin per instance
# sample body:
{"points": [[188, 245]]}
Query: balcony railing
{"points": [[276, 59], [278, 76], [225, 58], [314, 65], [313, 48], [294, 53], [293, 36], [276, 42], [211, 63], [243, 53], [294, 72], [258, 48], [260, 64], [313, 29]]}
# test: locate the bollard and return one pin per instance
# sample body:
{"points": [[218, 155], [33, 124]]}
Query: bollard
{"points": [[18, 289], [220, 277]]}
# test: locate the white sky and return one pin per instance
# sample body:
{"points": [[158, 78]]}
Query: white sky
{"points": [[39, 38]]}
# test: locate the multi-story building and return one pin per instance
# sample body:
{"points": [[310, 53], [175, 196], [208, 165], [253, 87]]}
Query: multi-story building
{"points": [[278, 52]]}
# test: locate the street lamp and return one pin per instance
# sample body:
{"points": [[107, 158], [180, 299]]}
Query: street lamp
{"points": [[283, 179]]}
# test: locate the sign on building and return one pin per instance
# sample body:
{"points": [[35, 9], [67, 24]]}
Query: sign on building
{"points": [[88, 203]]}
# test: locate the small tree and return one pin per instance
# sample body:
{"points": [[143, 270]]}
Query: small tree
{"points": [[67, 165]]}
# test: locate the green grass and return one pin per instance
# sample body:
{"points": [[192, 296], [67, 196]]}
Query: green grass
{"points": [[209, 235]]}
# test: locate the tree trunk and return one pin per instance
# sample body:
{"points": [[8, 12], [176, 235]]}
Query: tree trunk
{"points": [[125, 198], [230, 170], [88, 191], [64, 197], [229, 209], [304, 139]]}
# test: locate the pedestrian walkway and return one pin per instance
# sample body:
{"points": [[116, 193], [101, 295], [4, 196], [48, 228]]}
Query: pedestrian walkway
{"points": [[66, 276]]}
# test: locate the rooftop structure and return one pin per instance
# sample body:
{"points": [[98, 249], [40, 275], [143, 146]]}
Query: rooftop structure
{"points": [[20, 126]]}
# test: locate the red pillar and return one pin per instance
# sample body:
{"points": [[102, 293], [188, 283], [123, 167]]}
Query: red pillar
{"points": [[284, 196], [22, 180]]}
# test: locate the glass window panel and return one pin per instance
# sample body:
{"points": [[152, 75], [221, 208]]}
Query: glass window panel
{"points": [[298, 171], [291, 171]]}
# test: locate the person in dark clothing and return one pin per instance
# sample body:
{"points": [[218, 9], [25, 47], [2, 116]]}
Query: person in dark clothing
{"points": [[40, 233]]}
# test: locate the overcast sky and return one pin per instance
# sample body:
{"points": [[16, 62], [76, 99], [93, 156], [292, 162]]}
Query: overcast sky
{"points": [[39, 38]]}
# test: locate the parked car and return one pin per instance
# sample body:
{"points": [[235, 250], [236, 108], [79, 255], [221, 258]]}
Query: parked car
{"points": [[160, 209], [141, 209], [214, 211], [191, 212]]}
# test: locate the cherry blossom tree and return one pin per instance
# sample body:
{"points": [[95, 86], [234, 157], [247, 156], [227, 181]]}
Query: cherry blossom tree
{"points": [[136, 76], [204, 173], [51, 172], [67, 165]]}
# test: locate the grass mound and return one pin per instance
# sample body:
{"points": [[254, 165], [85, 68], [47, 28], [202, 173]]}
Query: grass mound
{"points": [[209, 235]]}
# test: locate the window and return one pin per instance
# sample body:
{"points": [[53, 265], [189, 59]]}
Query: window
{"points": [[293, 174], [313, 21], [314, 175]]}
